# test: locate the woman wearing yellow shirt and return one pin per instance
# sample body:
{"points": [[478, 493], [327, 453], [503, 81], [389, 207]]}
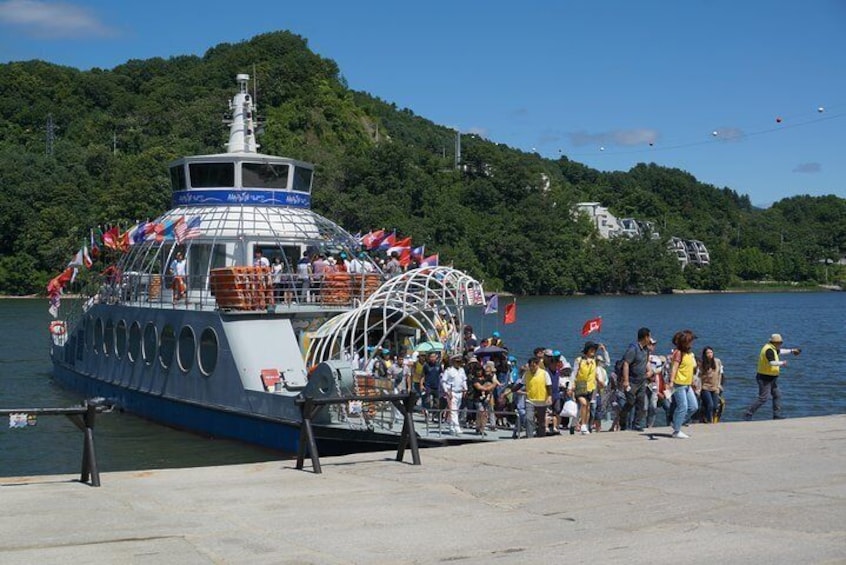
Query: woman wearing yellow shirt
{"points": [[681, 377], [585, 384]]}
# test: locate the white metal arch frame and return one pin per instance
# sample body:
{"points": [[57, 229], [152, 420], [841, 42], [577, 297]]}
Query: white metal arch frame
{"points": [[430, 298]]}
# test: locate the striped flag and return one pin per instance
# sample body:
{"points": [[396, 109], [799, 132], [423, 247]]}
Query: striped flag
{"points": [[187, 229]]}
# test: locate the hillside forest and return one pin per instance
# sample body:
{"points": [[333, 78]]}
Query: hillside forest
{"points": [[503, 215]]}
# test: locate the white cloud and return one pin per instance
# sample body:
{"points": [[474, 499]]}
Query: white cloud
{"points": [[39, 18], [807, 168], [626, 137]]}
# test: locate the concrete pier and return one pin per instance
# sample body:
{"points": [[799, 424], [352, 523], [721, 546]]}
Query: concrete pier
{"points": [[756, 492]]}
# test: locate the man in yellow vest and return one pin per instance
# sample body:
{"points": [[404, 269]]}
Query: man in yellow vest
{"points": [[538, 396], [769, 364]]}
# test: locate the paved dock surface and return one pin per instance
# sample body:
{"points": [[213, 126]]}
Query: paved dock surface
{"points": [[757, 492]]}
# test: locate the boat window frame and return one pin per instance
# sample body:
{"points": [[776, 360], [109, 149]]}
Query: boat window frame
{"points": [[97, 344], [166, 364], [150, 357], [205, 371], [121, 348], [135, 336], [212, 180], [253, 169], [183, 366], [108, 337]]}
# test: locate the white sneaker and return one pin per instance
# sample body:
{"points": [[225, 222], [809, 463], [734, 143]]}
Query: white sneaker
{"points": [[584, 430], [680, 435]]}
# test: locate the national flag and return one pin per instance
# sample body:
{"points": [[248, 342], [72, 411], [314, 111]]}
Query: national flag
{"points": [[592, 325], [123, 242], [418, 252], [493, 304], [388, 241], [510, 313], [86, 258], [111, 237], [430, 261], [372, 239], [138, 234], [95, 246], [399, 250], [77, 260], [192, 228], [405, 257], [177, 228]]}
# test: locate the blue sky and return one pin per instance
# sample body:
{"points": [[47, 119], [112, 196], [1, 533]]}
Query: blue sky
{"points": [[697, 84]]}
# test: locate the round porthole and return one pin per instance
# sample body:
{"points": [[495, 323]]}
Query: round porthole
{"points": [[109, 338], [120, 339], [185, 351], [134, 341], [148, 349], [208, 351], [167, 346], [98, 335]]}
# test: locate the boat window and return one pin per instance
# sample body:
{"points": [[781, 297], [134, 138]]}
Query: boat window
{"points": [[185, 351], [98, 335], [167, 346], [198, 260], [264, 175], [177, 177], [150, 338], [134, 341], [208, 351], [212, 175], [120, 339], [302, 179], [89, 332], [109, 338]]}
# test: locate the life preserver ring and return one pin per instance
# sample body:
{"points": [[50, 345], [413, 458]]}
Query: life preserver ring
{"points": [[57, 328]]}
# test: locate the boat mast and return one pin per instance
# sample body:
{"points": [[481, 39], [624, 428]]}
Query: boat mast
{"points": [[242, 131]]}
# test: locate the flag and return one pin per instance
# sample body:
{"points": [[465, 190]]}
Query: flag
{"points": [[510, 313], [405, 257], [111, 237], [388, 241], [399, 250], [178, 229], [372, 239], [592, 325], [418, 252], [493, 305], [77, 260], [86, 258], [95, 246], [190, 228], [430, 261]]}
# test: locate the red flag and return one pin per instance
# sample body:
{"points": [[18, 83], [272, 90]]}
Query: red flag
{"points": [[592, 325], [511, 313], [111, 238]]}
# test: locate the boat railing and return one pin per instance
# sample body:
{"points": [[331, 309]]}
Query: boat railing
{"points": [[240, 289]]}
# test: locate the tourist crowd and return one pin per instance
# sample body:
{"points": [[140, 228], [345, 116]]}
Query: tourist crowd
{"points": [[486, 388]]}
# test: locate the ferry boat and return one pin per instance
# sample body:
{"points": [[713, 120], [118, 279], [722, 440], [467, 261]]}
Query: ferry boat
{"points": [[205, 322]]}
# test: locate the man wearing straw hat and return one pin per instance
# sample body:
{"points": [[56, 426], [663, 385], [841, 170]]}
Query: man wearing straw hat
{"points": [[769, 365]]}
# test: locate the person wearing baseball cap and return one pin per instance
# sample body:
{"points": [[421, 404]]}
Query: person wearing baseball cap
{"points": [[769, 367]]}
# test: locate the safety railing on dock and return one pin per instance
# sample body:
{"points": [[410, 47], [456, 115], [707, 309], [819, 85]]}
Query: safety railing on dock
{"points": [[309, 407], [83, 418]]}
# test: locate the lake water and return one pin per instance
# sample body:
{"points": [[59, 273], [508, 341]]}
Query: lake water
{"points": [[735, 325]]}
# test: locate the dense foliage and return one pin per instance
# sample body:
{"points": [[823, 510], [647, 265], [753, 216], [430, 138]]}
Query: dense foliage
{"points": [[504, 216]]}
